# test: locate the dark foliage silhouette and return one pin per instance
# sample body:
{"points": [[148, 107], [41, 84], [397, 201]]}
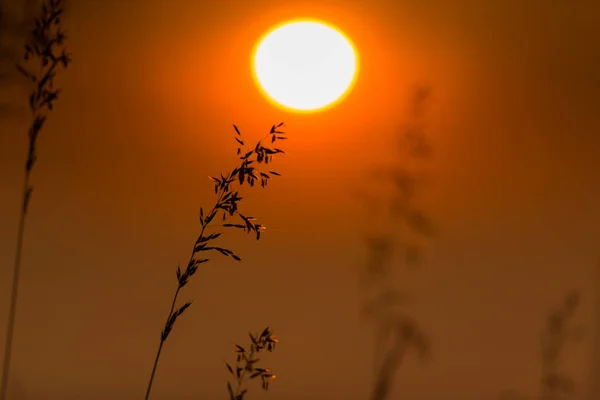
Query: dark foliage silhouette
{"points": [[397, 241], [44, 49], [246, 364], [13, 32], [225, 208]]}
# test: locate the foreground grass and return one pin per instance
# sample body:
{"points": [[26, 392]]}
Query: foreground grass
{"points": [[219, 217]]}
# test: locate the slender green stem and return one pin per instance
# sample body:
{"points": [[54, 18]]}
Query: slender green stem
{"points": [[15, 288]]}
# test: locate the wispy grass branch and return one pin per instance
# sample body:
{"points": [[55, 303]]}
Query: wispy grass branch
{"points": [[227, 205], [45, 49], [246, 364]]}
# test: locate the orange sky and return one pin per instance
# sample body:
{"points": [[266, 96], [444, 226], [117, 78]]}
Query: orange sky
{"points": [[146, 115]]}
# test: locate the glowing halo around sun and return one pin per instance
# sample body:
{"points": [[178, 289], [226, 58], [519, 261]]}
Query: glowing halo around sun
{"points": [[305, 65]]}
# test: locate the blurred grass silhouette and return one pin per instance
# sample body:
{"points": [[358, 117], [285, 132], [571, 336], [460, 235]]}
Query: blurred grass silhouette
{"points": [[558, 332], [403, 225], [45, 54], [225, 207], [13, 32]]}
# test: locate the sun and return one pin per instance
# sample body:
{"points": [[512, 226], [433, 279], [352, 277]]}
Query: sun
{"points": [[305, 65]]}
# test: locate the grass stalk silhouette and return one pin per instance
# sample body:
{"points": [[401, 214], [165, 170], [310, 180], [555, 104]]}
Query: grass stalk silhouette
{"points": [[403, 224], [227, 204], [44, 47], [246, 360]]}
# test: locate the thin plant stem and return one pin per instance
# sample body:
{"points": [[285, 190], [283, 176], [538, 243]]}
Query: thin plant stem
{"points": [[163, 337], [15, 288], [240, 380], [160, 346], [227, 202], [45, 39], [386, 371]]}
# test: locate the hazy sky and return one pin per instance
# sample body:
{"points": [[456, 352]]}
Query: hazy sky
{"points": [[146, 115]]}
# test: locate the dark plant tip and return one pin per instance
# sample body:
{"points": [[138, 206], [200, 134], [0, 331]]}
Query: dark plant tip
{"points": [[227, 205]]}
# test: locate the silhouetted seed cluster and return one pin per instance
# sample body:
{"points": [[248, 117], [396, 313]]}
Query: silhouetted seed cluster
{"points": [[246, 360], [227, 205], [45, 47], [14, 29]]}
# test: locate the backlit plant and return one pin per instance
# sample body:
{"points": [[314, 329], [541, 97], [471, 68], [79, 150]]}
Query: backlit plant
{"points": [[246, 364], [226, 208]]}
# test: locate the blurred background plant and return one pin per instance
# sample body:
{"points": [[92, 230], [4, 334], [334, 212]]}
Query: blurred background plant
{"points": [[559, 332], [44, 55], [396, 240], [16, 20]]}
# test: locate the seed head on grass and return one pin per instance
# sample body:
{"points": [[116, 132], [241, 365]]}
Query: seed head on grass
{"points": [[45, 54], [45, 48], [246, 364], [225, 209]]}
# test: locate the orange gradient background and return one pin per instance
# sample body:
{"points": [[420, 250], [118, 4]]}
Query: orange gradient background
{"points": [[146, 114]]}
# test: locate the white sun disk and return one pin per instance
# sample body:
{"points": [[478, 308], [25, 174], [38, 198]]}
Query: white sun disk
{"points": [[305, 65]]}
